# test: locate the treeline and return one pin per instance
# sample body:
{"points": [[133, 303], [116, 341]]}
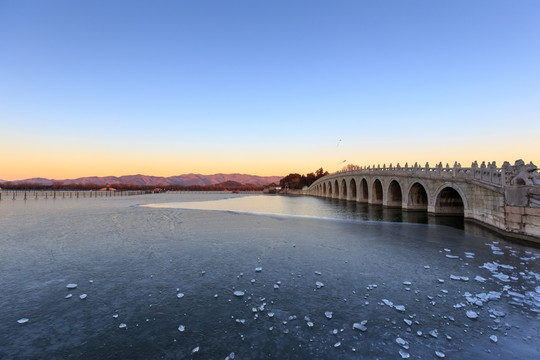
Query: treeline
{"points": [[129, 187], [297, 181]]}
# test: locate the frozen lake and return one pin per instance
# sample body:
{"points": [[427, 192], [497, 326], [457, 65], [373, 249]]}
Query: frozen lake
{"points": [[314, 278]]}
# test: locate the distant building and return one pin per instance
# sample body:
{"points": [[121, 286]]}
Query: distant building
{"points": [[107, 188]]}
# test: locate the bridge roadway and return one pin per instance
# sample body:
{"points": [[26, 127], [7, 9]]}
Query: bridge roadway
{"points": [[506, 199]]}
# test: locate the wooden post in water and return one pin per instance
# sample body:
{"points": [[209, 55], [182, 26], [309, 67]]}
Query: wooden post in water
{"points": [[25, 195]]}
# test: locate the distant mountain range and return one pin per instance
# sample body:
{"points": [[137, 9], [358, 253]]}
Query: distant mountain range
{"points": [[183, 180]]}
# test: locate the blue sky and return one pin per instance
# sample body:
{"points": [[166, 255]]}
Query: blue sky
{"points": [[266, 87]]}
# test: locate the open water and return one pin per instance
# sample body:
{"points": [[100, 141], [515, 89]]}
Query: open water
{"points": [[320, 278]]}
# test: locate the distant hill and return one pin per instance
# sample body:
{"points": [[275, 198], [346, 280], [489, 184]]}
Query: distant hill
{"points": [[183, 180]]}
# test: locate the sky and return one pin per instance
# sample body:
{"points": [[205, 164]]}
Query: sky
{"points": [[99, 88]]}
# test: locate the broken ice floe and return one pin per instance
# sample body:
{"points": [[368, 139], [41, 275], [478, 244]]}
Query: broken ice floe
{"points": [[83, 296], [319, 284], [122, 326], [434, 333], [241, 321], [68, 296], [196, 350], [258, 269], [408, 322], [493, 338], [472, 314], [479, 278], [440, 354], [239, 293], [71, 286], [403, 354], [318, 273], [180, 295], [400, 308], [452, 256], [23, 321], [402, 343], [387, 302], [338, 344], [328, 314], [360, 326], [309, 324], [181, 328], [407, 283]]}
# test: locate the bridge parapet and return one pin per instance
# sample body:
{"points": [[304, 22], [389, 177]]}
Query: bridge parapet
{"points": [[489, 174]]}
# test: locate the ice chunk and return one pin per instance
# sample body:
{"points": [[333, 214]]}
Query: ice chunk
{"points": [[407, 283], [309, 324], [71, 286], [258, 269], [68, 296], [230, 357], [403, 354], [196, 350], [83, 296], [419, 333], [452, 256], [23, 321], [426, 266], [122, 326], [440, 354], [479, 279], [434, 333], [360, 326], [115, 316], [472, 314], [328, 314], [180, 295], [408, 322], [276, 286], [335, 331], [400, 308], [239, 293], [318, 273], [388, 302], [338, 344], [241, 321], [401, 342], [319, 284], [454, 277], [271, 315], [493, 338], [181, 328]]}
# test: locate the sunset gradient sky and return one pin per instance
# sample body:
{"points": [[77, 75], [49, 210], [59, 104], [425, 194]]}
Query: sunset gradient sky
{"points": [[264, 87]]}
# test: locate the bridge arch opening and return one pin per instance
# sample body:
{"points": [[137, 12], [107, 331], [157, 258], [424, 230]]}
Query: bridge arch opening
{"points": [[394, 194], [336, 189], [449, 202], [417, 199], [352, 187], [364, 191], [343, 189], [324, 189], [377, 192], [329, 193]]}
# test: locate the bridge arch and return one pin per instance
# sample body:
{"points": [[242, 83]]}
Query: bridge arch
{"points": [[324, 189], [450, 200], [377, 192], [336, 189], [352, 190], [364, 193], [417, 196], [343, 194], [394, 197], [329, 189]]}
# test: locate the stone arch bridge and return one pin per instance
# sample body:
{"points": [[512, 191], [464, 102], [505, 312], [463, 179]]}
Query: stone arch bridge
{"points": [[506, 199]]}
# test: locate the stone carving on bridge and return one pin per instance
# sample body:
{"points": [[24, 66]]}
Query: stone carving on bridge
{"points": [[521, 173]]}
